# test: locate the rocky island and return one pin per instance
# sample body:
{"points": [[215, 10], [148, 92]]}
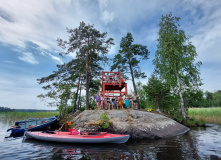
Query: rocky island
{"points": [[138, 124]]}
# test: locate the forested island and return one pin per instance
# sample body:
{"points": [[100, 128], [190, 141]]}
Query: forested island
{"points": [[172, 88]]}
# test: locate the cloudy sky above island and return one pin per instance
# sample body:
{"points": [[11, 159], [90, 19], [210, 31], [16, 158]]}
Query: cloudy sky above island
{"points": [[29, 29]]}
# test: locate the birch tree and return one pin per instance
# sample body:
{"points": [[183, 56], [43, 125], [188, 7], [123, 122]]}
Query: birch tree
{"points": [[175, 58]]}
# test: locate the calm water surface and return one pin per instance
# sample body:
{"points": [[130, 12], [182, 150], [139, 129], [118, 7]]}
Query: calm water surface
{"points": [[198, 143]]}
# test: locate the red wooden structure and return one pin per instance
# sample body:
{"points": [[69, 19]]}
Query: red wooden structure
{"points": [[113, 85]]}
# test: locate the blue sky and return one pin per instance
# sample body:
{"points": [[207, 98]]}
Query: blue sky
{"points": [[29, 29]]}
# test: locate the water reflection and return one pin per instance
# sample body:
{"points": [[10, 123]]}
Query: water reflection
{"points": [[79, 151], [198, 143], [172, 148], [208, 141]]}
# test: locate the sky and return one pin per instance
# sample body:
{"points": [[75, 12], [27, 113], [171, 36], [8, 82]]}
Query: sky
{"points": [[29, 30]]}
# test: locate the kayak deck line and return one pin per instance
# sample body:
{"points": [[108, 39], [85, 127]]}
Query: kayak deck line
{"points": [[58, 136]]}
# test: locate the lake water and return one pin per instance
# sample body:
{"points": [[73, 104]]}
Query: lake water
{"points": [[198, 143]]}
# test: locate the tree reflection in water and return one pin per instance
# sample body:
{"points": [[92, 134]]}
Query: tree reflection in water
{"points": [[181, 147], [198, 143]]}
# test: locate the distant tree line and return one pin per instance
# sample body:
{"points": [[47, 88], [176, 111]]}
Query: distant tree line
{"points": [[212, 98], [6, 109], [158, 96]]}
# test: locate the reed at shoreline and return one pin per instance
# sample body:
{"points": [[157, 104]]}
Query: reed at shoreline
{"points": [[209, 115], [27, 115]]}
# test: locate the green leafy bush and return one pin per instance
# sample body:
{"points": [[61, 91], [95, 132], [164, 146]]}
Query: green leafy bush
{"points": [[191, 122], [201, 122], [104, 121], [82, 108]]}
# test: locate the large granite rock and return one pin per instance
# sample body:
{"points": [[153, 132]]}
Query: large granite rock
{"points": [[138, 124]]}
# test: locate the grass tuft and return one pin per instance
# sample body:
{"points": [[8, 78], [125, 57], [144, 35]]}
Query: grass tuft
{"points": [[27, 115], [208, 115]]}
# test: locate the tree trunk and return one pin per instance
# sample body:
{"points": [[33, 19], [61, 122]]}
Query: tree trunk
{"points": [[87, 80], [181, 98], [157, 103], [60, 113], [79, 100], [87, 90], [76, 95], [134, 85], [65, 106]]}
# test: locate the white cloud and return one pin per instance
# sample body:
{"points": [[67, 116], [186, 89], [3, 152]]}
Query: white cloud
{"points": [[204, 25], [28, 57], [39, 22], [57, 59], [20, 92], [9, 62], [42, 22]]}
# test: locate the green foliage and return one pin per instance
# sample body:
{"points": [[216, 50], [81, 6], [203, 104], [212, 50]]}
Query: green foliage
{"points": [[157, 91], [96, 89], [6, 109], [214, 111], [69, 109], [194, 98], [174, 58], [129, 57], [175, 54], [209, 98], [90, 47], [143, 100], [208, 115], [191, 122], [27, 115], [179, 118], [104, 121], [82, 108], [201, 122], [217, 98], [130, 54]]}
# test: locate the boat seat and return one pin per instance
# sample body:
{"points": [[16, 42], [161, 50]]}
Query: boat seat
{"points": [[93, 133], [50, 132]]}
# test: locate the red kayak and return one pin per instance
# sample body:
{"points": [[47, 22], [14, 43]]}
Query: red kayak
{"points": [[73, 137]]}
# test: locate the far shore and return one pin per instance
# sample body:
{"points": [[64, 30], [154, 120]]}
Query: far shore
{"points": [[209, 115]]}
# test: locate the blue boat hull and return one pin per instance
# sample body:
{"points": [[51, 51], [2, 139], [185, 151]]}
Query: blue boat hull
{"points": [[31, 125]]}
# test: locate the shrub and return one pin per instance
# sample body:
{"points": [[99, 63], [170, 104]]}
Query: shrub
{"points": [[82, 108], [191, 122], [69, 109], [200, 122], [104, 121]]}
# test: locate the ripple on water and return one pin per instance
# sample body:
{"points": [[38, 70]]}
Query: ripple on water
{"points": [[209, 142], [198, 143]]}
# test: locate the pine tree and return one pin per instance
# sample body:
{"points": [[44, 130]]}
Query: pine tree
{"points": [[91, 47], [129, 57]]}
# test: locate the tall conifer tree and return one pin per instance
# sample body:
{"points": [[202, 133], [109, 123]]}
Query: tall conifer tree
{"points": [[91, 47], [129, 57]]}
